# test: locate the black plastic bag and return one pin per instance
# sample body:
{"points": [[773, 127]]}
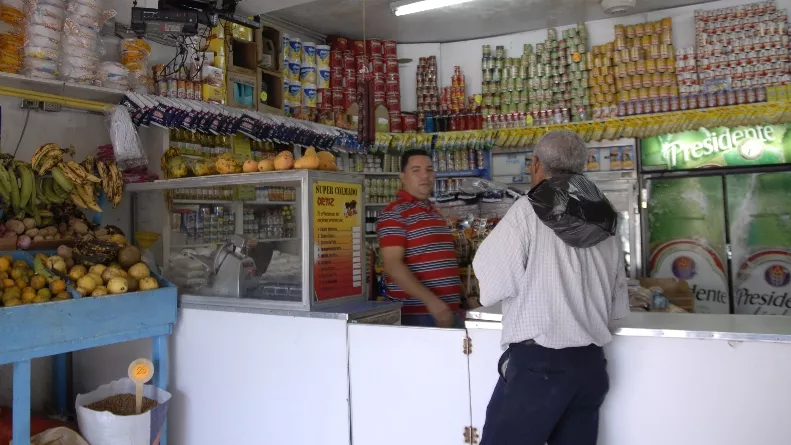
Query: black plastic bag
{"points": [[575, 209]]}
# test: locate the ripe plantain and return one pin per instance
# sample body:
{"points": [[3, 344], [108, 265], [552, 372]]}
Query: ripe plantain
{"points": [[70, 174], [49, 150], [80, 171]]}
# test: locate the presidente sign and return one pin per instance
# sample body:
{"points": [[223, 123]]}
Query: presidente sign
{"points": [[718, 147]]}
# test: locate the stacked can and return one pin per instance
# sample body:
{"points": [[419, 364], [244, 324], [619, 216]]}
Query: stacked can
{"points": [[323, 90], [453, 97], [293, 70], [389, 67], [558, 77], [747, 44], [307, 78], [427, 89], [635, 74], [687, 74]]}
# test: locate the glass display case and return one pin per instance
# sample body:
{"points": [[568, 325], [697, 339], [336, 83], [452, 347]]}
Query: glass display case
{"points": [[281, 240]]}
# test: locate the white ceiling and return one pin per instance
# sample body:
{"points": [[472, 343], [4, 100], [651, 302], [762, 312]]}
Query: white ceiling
{"points": [[476, 19]]}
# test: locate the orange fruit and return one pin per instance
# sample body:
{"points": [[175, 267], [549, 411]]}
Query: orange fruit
{"points": [[57, 286], [63, 296], [28, 297], [3, 275], [44, 293], [8, 282], [8, 258], [4, 264], [20, 264], [38, 282], [21, 283], [28, 289], [17, 273]]}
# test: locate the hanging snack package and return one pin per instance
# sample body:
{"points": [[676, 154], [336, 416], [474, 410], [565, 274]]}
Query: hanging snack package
{"points": [[123, 135], [134, 56]]}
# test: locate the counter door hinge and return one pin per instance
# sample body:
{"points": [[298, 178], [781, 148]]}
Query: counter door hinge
{"points": [[471, 435], [467, 346]]}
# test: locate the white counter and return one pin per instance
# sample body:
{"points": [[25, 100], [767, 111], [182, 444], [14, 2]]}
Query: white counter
{"points": [[264, 378]]}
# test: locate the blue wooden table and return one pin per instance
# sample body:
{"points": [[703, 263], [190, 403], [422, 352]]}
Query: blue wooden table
{"points": [[59, 327]]}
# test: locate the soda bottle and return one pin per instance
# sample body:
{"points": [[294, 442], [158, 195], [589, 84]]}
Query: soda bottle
{"points": [[687, 238]]}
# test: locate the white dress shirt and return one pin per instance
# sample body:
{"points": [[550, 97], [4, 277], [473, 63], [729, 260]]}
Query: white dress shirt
{"points": [[557, 295]]}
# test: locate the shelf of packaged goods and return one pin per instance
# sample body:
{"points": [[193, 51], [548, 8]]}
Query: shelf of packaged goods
{"points": [[193, 246], [387, 174], [270, 203], [461, 174], [61, 88], [203, 201], [263, 178], [276, 240]]}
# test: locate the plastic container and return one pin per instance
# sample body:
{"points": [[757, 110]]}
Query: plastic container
{"points": [[38, 52], [40, 68], [88, 35], [41, 36]]}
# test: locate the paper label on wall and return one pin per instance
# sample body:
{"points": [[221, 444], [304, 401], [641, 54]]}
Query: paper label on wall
{"points": [[337, 240]]}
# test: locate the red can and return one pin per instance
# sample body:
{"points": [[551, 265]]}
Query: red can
{"points": [[408, 123], [374, 47], [349, 98], [379, 98], [361, 63], [324, 99], [392, 86], [337, 97], [350, 82], [393, 103], [348, 62], [336, 78], [392, 76], [336, 59], [338, 43], [395, 123], [390, 49], [391, 66], [377, 65], [379, 83], [358, 47]]}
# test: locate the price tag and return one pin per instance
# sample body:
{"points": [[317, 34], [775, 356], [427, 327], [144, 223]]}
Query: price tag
{"points": [[478, 99], [140, 371]]}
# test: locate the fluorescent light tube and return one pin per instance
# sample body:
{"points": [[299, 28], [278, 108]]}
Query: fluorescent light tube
{"points": [[425, 5]]}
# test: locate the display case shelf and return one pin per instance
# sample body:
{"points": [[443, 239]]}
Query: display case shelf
{"points": [[61, 88], [462, 174], [387, 174], [203, 201]]}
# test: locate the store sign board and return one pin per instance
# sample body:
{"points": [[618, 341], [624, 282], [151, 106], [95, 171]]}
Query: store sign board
{"points": [[337, 238], [718, 147]]}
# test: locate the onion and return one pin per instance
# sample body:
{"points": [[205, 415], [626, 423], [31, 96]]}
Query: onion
{"points": [[23, 242]]}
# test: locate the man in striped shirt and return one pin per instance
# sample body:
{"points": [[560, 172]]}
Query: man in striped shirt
{"points": [[418, 250]]}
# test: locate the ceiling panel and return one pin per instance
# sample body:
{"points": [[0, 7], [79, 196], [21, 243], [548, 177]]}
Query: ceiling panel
{"points": [[476, 19]]}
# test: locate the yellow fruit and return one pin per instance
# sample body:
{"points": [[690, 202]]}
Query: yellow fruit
{"points": [[82, 291], [96, 278], [14, 302], [21, 283], [9, 258], [284, 161], [97, 269], [8, 282], [57, 286], [139, 271], [40, 299], [3, 275], [100, 291], [118, 239], [87, 283], [250, 166], [5, 265], [112, 272], [118, 285], [38, 282], [44, 293], [21, 264], [62, 296], [28, 297], [28, 289], [148, 283], [326, 161], [226, 166], [266, 165], [17, 273], [77, 272]]}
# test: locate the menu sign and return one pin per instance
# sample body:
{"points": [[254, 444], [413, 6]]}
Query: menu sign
{"points": [[337, 237]]}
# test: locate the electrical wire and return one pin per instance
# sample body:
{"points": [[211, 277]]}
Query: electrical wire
{"points": [[24, 127]]}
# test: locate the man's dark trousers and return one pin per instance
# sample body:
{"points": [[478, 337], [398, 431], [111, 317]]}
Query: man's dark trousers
{"points": [[547, 396]]}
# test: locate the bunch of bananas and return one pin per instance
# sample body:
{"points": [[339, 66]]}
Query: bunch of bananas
{"points": [[21, 190], [79, 183], [112, 183], [48, 156]]}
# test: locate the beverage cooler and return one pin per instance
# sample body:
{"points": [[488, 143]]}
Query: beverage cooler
{"points": [[717, 214]]}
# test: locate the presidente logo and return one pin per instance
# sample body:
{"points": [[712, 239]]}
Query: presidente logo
{"points": [[684, 268], [777, 275], [748, 140]]}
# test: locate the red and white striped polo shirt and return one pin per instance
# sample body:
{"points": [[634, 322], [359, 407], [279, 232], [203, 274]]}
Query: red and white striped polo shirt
{"points": [[429, 250]]}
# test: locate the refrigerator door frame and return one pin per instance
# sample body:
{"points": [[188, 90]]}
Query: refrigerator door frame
{"points": [[630, 187]]}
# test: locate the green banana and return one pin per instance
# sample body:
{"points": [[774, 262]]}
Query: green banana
{"points": [[40, 190], [4, 190], [14, 189], [34, 209], [62, 180], [59, 192], [27, 186], [48, 191]]}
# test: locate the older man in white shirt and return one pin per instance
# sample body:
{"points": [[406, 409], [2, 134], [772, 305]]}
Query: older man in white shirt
{"points": [[555, 263]]}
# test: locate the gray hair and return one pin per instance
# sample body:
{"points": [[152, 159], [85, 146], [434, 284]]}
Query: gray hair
{"points": [[562, 151]]}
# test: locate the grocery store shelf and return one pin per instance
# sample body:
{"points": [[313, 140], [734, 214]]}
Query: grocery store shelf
{"points": [[389, 174], [61, 88], [462, 174], [275, 240], [202, 201], [287, 177], [193, 246], [270, 202]]}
